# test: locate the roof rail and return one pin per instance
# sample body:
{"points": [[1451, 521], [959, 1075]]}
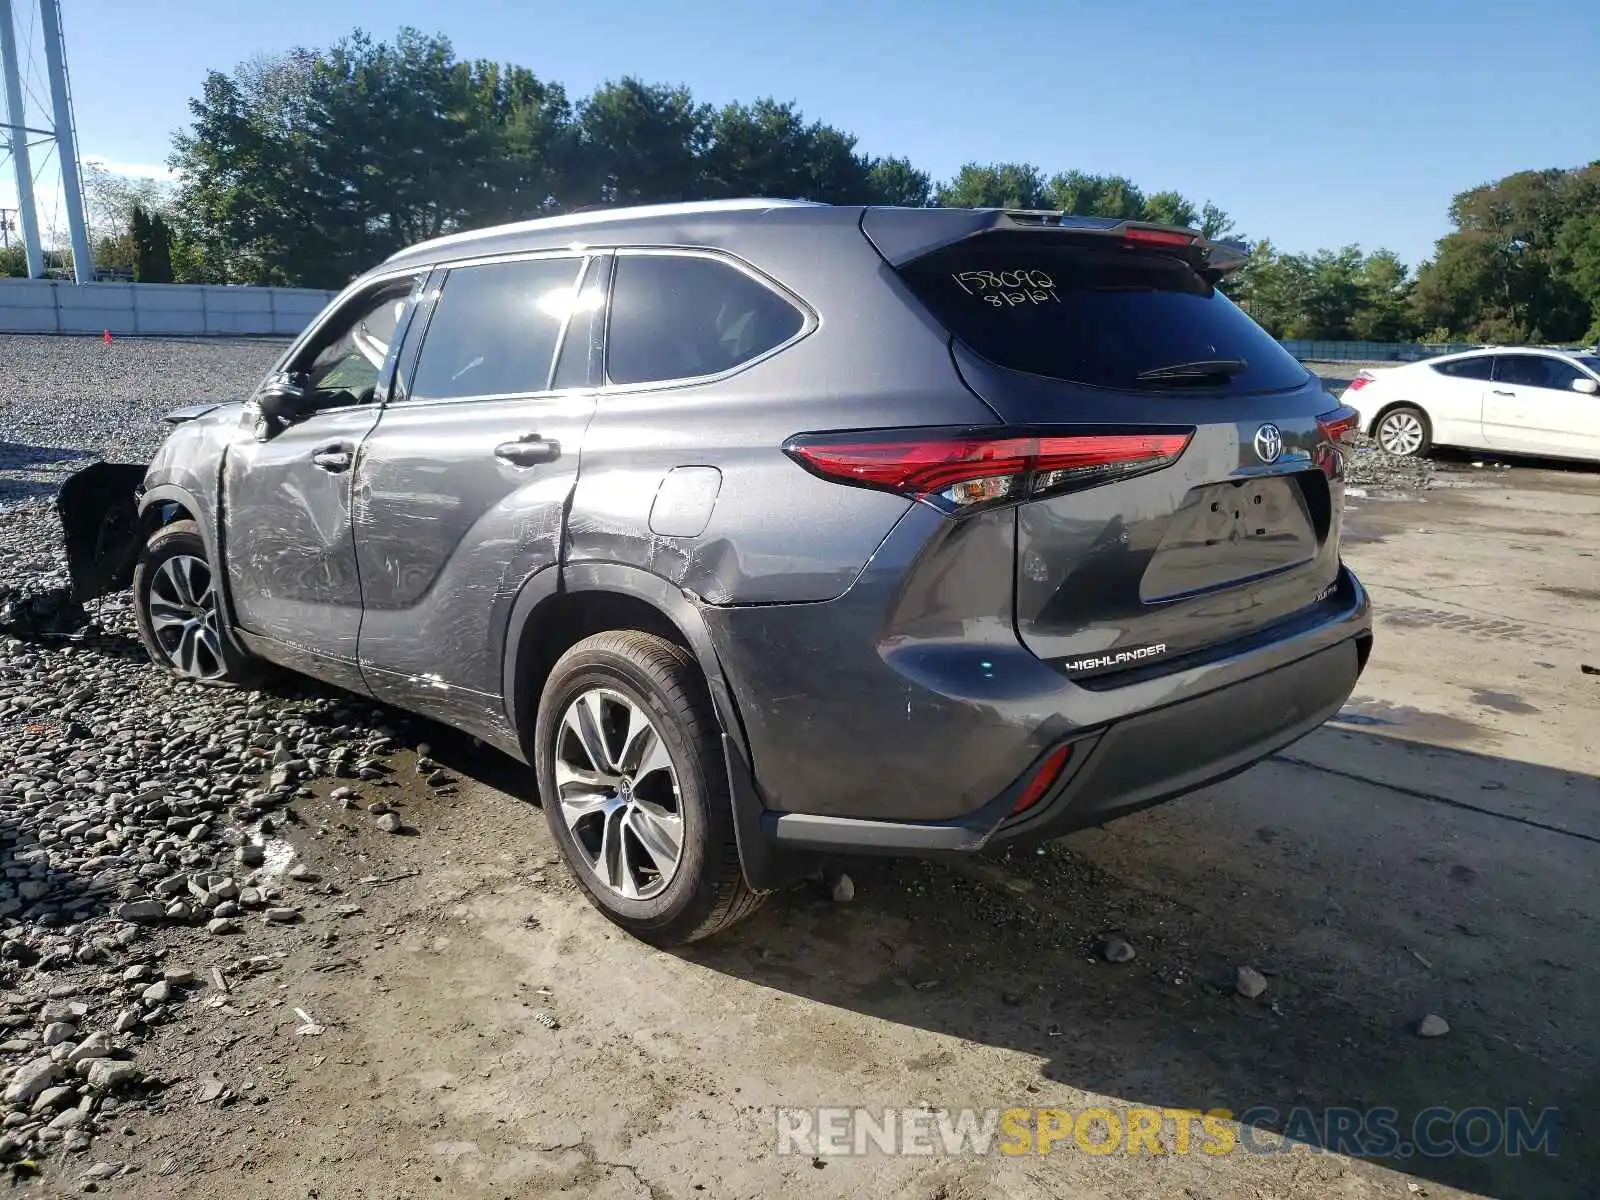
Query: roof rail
{"points": [[602, 214]]}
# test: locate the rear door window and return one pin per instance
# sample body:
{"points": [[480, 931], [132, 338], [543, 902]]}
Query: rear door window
{"points": [[1093, 315], [681, 316], [494, 329]]}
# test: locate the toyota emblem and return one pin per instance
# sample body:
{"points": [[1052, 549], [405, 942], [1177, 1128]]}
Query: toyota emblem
{"points": [[1269, 443]]}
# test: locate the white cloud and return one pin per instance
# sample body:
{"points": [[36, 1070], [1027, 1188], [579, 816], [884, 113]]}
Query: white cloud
{"points": [[137, 170]]}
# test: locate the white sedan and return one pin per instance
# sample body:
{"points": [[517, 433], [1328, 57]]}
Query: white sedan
{"points": [[1521, 401]]}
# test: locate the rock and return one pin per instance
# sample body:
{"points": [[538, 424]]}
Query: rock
{"points": [[59, 1031], [440, 779], [96, 1045], [1118, 950], [283, 915], [378, 808], [52, 1098], [68, 1119], [178, 976], [1249, 983], [301, 873], [102, 1170], [108, 1075], [1432, 1026], [180, 911], [135, 973], [390, 822], [843, 890], [221, 926], [142, 912], [31, 1078], [157, 993], [127, 1021], [228, 908], [251, 855]]}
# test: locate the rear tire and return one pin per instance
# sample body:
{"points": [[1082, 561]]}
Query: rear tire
{"points": [[1404, 431], [179, 611], [635, 789]]}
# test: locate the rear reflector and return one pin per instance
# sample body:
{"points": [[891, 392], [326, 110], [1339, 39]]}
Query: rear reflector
{"points": [[959, 472], [1043, 779]]}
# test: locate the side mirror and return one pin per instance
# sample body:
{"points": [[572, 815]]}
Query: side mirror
{"points": [[282, 398], [1585, 385]]}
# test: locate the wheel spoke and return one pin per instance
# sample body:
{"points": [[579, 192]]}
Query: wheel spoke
{"points": [[187, 654], [164, 614], [644, 750], [579, 808], [582, 720], [579, 783], [660, 833], [612, 861]]}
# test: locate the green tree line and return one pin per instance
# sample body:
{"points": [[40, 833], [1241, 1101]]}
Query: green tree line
{"points": [[306, 168]]}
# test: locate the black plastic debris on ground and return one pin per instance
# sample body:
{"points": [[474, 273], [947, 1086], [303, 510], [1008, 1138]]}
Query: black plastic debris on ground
{"points": [[48, 612]]}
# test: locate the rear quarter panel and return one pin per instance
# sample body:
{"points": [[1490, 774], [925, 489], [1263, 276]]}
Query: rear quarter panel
{"points": [[774, 533]]}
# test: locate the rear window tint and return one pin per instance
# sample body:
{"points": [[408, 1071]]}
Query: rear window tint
{"points": [[1466, 368], [1094, 316]]}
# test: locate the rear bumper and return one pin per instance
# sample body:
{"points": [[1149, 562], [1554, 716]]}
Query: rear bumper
{"points": [[873, 727]]}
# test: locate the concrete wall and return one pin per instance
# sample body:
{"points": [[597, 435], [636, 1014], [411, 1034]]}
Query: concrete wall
{"points": [[55, 306]]}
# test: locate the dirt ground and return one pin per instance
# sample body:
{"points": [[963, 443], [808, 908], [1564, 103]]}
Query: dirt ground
{"points": [[485, 1033]]}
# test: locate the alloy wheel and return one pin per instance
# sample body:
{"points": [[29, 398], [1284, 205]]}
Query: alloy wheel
{"points": [[1401, 434], [618, 793], [182, 606]]}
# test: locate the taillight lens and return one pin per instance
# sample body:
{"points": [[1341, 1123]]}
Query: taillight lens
{"points": [[957, 472], [1339, 427], [1359, 382]]}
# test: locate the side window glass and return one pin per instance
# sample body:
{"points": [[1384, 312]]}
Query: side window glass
{"points": [[1467, 368], [1560, 375], [494, 328], [344, 364], [1530, 370], [583, 349], [683, 316]]}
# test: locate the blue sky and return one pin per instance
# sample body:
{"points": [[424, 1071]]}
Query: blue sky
{"points": [[1353, 123]]}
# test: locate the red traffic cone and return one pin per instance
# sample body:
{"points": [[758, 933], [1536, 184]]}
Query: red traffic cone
{"points": [[108, 337]]}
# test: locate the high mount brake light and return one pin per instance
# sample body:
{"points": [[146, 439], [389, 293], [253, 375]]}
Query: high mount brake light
{"points": [[1158, 237], [959, 472]]}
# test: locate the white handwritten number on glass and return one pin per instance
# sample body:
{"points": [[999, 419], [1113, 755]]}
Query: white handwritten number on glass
{"points": [[1008, 288]]}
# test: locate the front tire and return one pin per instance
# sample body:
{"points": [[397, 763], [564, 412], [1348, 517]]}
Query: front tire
{"points": [[1405, 432], [178, 609], [635, 790]]}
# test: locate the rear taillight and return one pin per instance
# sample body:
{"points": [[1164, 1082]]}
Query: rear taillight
{"points": [[961, 471], [1359, 382], [1339, 427], [1043, 779]]}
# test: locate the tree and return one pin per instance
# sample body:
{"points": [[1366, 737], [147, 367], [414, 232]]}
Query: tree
{"points": [[895, 181], [641, 144], [998, 185]]}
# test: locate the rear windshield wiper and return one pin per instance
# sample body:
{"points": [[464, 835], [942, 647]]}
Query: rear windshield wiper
{"points": [[1200, 368]]}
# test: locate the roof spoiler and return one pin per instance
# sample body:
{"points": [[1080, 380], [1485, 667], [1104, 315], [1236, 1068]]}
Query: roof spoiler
{"points": [[904, 234]]}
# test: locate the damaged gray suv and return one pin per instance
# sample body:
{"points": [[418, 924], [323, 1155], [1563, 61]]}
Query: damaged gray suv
{"points": [[769, 532]]}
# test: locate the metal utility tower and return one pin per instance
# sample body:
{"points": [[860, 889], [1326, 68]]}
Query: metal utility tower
{"points": [[64, 134]]}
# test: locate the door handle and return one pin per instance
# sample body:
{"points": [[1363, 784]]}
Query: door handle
{"points": [[529, 451], [1498, 392], [332, 458]]}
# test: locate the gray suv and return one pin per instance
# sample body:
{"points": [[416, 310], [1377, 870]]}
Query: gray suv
{"points": [[769, 532]]}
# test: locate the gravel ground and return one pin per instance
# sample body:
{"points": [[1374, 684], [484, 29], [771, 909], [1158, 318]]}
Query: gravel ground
{"points": [[136, 812], [105, 401]]}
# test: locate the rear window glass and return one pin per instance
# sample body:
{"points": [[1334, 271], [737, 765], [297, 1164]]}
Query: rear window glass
{"points": [[1092, 315], [1467, 368]]}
